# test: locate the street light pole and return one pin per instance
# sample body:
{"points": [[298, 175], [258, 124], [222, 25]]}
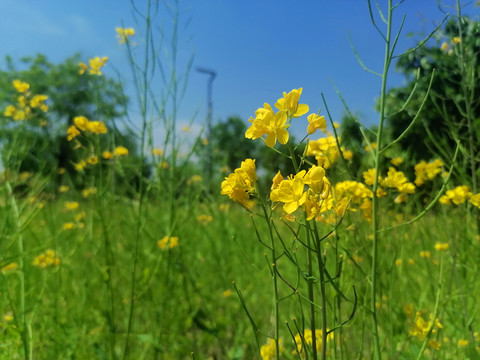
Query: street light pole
{"points": [[208, 166]]}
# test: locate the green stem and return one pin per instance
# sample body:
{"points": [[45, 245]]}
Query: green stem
{"points": [[323, 302], [375, 203], [311, 294]]}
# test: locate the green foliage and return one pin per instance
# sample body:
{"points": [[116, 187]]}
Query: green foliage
{"points": [[454, 89]]}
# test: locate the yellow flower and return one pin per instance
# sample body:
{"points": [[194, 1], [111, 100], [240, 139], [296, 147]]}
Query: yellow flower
{"points": [[108, 155], [204, 219], [371, 146], [475, 200], [396, 161], [96, 63], [462, 343], [63, 188], [369, 177], [425, 254], [227, 293], [96, 127], [157, 152], [168, 242], [290, 192], [457, 195], [444, 46], [268, 351], [268, 123], [72, 132], [71, 205], [347, 154], [81, 122], [10, 111], [83, 68], [441, 246], [120, 151], [46, 259], [308, 339], [315, 122], [241, 183], [456, 40], [427, 171], [325, 151], [123, 34], [289, 104], [89, 191], [68, 226], [80, 165], [21, 86]]}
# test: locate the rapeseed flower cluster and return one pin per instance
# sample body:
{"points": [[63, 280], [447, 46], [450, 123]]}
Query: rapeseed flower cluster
{"points": [[48, 258], [240, 185], [307, 339], [275, 125], [94, 66], [268, 351], [123, 34], [427, 171], [25, 102], [460, 195], [167, 242], [82, 125], [421, 328]]}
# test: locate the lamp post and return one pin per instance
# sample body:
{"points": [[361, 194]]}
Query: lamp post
{"points": [[208, 163]]}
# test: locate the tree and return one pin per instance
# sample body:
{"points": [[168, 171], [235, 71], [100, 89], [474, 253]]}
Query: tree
{"points": [[451, 110]]}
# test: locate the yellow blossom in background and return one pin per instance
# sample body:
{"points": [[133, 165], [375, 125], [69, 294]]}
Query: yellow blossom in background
{"points": [[9, 267], [92, 160], [46, 259], [462, 343], [20, 86], [227, 293], [224, 207], [420, 327], [425, 254], [89, 192], [325, 151], [168, 242], [347, 154], [71, 205], [308, 337], [8, 317], [80, 165], [241, 183], [120, 151], [371, 146], [123, 34], [369, 177], [81, 122], [475, 200], [205, 141], [268, 351], [80, 216], [61, 171], [63, 188], [10, 111], [441, 246], [204, 219], [396, 161], [398, 262], [289, 104], [157, 152], [186, 128], [457, 195], [68, 226], [397, 180], [108, 155], [95, 63], [316, 122], [427, 171], [444, 46], [72, 132], [456, 40], [97, 127]]}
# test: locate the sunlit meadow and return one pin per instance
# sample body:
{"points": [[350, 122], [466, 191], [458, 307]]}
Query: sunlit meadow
{"points": [[124, 246]]}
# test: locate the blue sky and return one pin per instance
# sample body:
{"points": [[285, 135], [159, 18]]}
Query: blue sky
{"points": [[258, 48]]}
